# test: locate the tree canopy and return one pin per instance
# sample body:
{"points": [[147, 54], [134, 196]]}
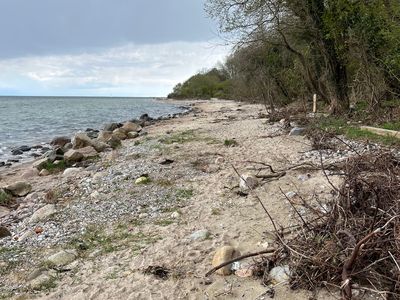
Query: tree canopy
{"points": [[285, 50]]}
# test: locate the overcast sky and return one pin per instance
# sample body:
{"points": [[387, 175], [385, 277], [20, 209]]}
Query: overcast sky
{"points": [[103, 47]]}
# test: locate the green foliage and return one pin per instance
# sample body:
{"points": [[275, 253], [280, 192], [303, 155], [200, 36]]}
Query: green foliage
{"points": [[5, 198], [55, 167], [230, 143], [211, 84]]}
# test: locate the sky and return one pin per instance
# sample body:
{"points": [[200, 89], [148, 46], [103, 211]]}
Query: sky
{"points": [[103, 47]]}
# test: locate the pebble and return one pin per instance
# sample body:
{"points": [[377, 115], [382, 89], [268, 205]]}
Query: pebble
{"points": [[200, 235], [280, 274]]}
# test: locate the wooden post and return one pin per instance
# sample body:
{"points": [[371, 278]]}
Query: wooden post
{"points": [[315, 103]]}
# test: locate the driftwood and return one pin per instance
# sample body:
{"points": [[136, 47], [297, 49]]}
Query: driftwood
{"points": [[266, 251]]}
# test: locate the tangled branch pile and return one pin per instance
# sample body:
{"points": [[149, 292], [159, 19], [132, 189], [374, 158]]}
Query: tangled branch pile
{"points": [[357, 240]]}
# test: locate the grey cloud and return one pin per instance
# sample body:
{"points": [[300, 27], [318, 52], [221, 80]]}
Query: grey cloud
{"points": [[38, 27]]}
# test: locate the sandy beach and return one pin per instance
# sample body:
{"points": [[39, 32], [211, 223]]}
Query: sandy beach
{"points": [[117, 232]]}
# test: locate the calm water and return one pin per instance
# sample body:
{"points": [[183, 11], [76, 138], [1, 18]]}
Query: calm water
{"points": [[34, 120]]}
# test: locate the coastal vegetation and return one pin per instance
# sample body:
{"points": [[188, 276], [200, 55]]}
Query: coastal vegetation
{"points": [[346, 52]]}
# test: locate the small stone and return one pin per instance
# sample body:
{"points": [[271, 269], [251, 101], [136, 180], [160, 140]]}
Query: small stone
{"points": [[166, 161], [38, 230], [95, 195], [44, 172], [200, 235], [43, 213], [223, 255], [248, 181], [175, 215], [71, 172], [280, 274], [291, 194], [297, 131], [62, 258], [4, 232], [142, 180], [19, 189], [304, 177]]}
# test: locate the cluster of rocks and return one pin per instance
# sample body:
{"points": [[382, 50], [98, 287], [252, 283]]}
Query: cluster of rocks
{"points": [[118, 131], [87, 145]]}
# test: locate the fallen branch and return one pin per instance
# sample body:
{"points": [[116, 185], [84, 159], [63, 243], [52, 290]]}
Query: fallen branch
{"points": [[266, 251]]}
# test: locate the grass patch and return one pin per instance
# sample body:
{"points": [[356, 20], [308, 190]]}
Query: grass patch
{"points": [[215, 212], [163, 222], [121, 237], [391, 125], [183, 194], [179, 138], [55, 167], [351, 131], [47, 285], [5, 198], [230, 143]]}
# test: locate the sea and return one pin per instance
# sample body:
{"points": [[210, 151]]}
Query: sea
{"points": [[36, 120]]}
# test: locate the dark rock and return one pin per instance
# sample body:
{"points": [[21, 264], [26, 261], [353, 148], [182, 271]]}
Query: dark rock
{"points": [[67, 147], [145, 117], [4, 232], [166, 161], [35, 154], [2, 163], [24, 148], [12, 160], [37, 147], [92, 134], [112, 126], [60, 141], [45, 149], [91, 130], [16, 152]]}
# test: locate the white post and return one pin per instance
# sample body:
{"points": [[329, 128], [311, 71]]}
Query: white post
{"points": [[315, 103]]}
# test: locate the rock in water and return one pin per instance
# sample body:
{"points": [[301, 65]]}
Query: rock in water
{"points": [[19, 189], [111, 126], [297, 131], [62, 258], [248, 181], [43, 213], [60, 141], [222, 255]]}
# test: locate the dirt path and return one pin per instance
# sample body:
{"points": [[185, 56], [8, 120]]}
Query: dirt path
{"points": [[198, 191]]}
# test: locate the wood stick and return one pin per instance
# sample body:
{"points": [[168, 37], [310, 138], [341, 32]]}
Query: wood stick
{"points": [[266, 251]]}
